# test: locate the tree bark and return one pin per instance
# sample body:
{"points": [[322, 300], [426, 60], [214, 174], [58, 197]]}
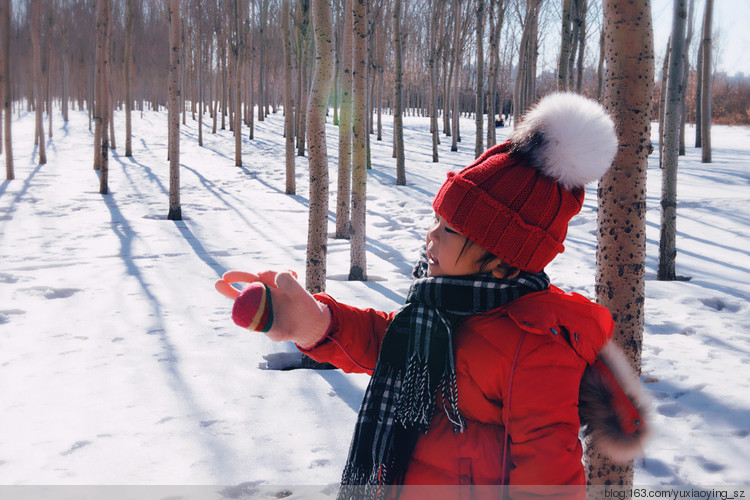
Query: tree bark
{"points": [[621, 232], [236, 72], [479, 103], [432, 66], [398, 119], [5, 13], [317, 106], [291, 182], [175, 210], [706, 90], [358, 264], [456, 137], [343, 195], [566, 37], [685, 77], [667, 245], [129, 22], [102, 94], [36, 22]]}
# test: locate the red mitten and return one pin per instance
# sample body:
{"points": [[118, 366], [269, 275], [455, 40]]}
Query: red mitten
{"points": [[253, 308]]}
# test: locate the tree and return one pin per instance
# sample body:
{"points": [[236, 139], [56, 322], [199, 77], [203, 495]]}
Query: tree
{"points": [[524, 89], [317, 107], [398, 94], [128, 83], [685, 77], [5, 13], [497, 15], [667, 245], [436, 7], [36, 21], [358, 264], [479, 103], [291, 184], [175, 211], [621, 232], [565, 42], [236, 72], [706, 84], [101, 144], [343, 195]]}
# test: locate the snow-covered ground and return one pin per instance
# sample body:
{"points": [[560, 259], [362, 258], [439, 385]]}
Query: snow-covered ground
{"points": [[119, 363]]}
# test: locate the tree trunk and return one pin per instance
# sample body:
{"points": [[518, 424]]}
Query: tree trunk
{"points": [[706, 90], [667, 245], [600, 68], [432, 66], [129, 22], [698, 97], [236, 72], [358, 265], [663, 100], [456, 81], [621, 233], [685, 78], [36, 21], [566, 38], [291, 181], [398, 120], [5, 13], [479, 104], [343, 195], [317, 233], [201, 100], [175, 211], [102, 94], [582, 10]]}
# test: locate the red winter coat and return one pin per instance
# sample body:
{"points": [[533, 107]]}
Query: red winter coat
{"points": [[541, 342]]}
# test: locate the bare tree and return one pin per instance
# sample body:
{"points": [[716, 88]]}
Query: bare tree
{"points": [[497, 15], [434, 53], [237, 41], [621, 233], [565, 43], [291, 184], [479, 103], [343, 195], [398, 94], [524, 88], [667, 245], [358, 264], [685, 77], [129, 21], [36, 21], [5, 13], [706, 80], [175, 210], [101, 147], [317, 106]]}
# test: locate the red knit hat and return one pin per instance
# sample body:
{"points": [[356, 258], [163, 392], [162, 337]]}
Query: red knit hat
{"points": [[516, 199]]}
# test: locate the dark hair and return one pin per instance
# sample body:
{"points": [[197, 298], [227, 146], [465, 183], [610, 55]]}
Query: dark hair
{"points": [[485, 259]]}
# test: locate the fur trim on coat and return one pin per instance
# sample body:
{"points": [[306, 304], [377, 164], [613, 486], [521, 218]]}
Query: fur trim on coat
{"points": [[613, 406]]}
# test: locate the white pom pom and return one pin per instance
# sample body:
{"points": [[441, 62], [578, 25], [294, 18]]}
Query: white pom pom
{"points": [[569, 137]]}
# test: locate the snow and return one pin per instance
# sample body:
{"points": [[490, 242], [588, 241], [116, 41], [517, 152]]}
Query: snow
{"points": [[120, 364]]}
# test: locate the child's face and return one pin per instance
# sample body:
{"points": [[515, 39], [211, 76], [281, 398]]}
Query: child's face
{"points": [[444, 257]]}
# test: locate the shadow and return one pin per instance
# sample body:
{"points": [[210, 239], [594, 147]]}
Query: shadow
{"points": [[169, 356], [343, 387], [199, 249]]}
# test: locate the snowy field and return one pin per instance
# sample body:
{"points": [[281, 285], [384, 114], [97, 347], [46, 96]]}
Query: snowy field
{"points": [[120, 365]]}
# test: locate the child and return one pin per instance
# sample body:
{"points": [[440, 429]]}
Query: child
{"points": [[476, 379]]}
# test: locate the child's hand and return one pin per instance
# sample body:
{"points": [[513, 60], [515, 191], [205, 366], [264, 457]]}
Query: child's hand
{"points": [[295, 315]]}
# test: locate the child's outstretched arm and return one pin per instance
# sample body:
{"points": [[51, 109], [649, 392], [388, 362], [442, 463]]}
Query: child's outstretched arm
{"points": [[289, 312]]}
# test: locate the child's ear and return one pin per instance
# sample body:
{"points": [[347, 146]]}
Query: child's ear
{"points": [[501, 270]]}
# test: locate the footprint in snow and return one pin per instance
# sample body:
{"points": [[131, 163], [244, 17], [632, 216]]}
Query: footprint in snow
{"points": [[51, 292], [75, 447], [721, 304]]}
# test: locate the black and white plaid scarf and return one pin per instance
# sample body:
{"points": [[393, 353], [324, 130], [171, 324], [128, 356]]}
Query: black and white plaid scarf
{"points": [[416, 365]]}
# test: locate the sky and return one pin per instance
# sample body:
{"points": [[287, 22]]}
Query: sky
{"points": [[732, 38]]}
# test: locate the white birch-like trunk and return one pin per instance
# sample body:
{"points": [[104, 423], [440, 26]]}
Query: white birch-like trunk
{"points": [[667, 241], [621, 218], [317, 233], [175, 210]]}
